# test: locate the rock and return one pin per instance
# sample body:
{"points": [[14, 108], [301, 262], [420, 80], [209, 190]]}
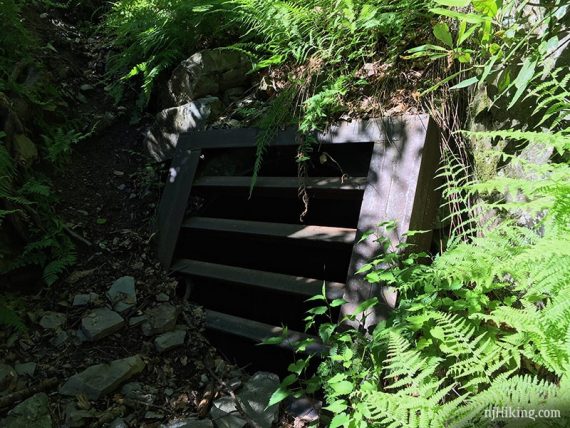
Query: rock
{"points": [[209, 72], [25, 150], [8, 377], [26, 369], [138, 392], [233, 95], [101, 379], [169, 340], [189, 423], [134, 321], [160, 319], [75, 417], [100, 323], [122, 293], [31, 413], [225, 414], [153, 415], [162, 137], [305, 409], [85, 299], [255, 395], [162, 297], [118, 423], [59, 339], [52, 320]]}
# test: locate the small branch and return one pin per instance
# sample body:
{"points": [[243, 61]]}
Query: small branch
{"points": [[10, 399], [77, 236]]}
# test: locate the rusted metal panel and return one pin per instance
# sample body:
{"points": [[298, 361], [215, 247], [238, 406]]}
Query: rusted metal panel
{"points": [[401, 188]]}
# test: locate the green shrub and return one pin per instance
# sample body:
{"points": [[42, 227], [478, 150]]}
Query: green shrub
{"points": [[150, 36]]}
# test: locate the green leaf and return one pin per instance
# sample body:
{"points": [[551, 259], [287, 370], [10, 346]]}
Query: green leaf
{"points": [[278, 396], [441, 32], [438, 333], [340, 420], [522, 80], [465, 83], [337, 302], [337, 406], [454, 3], [343, 387], [296, 367], [101, 220], [486, 7], [367, 304], [470, 18]]}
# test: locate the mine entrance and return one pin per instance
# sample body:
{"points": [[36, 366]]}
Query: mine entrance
{"points": [[253, 259]]}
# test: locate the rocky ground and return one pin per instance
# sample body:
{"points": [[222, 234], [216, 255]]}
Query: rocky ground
{"points": [[116, 343]]}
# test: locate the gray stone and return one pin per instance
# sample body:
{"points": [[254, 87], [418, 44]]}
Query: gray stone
{"points": [[169, 340], [305, 409], [255, 395], [224, 413], [75, 417], [134, 321], [26, 369], [8, 377], [101, 379], [85, 299], [100, 323], [32, 413], [162, 297], [162, 137], [209, 72], [153, 415], [189, 423], [60, 338], [160, 319], [118, 423], [141, 394], [122, 293], [53, 320]]}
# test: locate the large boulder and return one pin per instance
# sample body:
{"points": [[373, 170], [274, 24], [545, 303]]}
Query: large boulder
{"points": [[162, 137], [209, 72]]}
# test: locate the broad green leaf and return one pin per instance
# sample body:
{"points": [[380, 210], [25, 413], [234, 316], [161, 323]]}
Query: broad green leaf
{"points": [[278, 396], [343, 387], [289, 380], [337, 406], [337, 302], [296, 367], [522, 80], [325, 332], [441, 32], [465, 83], [340, 420], [461, 38]]}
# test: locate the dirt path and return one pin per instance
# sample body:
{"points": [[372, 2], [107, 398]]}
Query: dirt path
{"points": [[108, 196]]}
